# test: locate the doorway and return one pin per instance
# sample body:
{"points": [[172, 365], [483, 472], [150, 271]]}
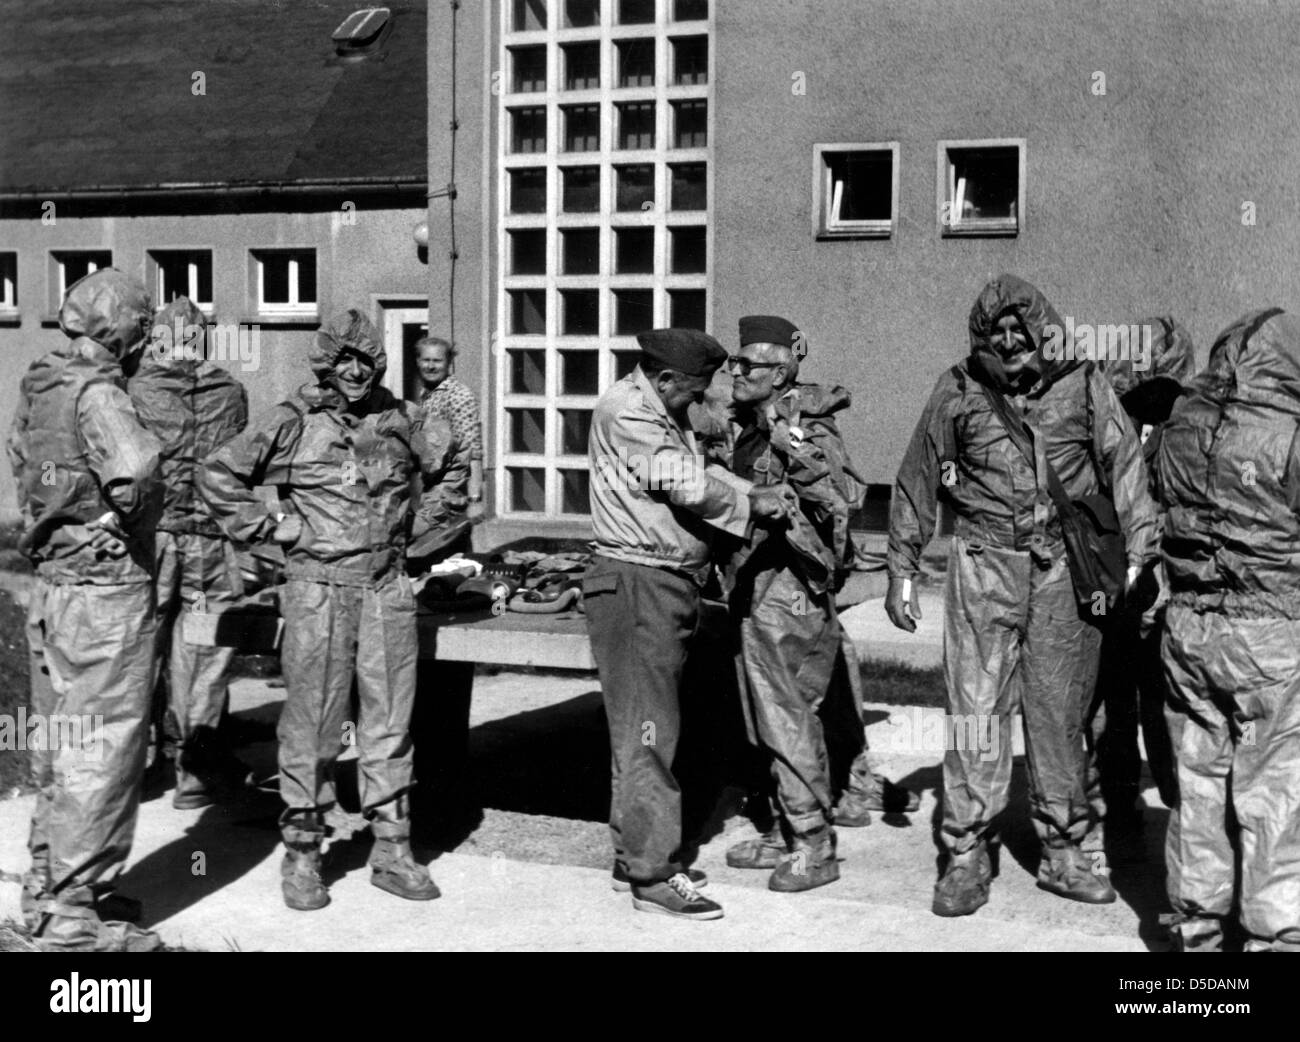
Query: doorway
{"points": [[403, 325]]}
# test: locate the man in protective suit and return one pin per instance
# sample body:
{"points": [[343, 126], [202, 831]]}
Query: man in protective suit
{"points": [[1131, 682], [343, 452], [1228, 473], [1013, 633], [87, 476], [781, 590], [193, 407]]}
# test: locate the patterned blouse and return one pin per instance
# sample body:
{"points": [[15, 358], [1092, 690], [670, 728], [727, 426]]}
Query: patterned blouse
{"points": [[456, 403]]}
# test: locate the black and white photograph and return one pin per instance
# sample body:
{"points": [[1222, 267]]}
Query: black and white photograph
{"points": [[650, 476]]}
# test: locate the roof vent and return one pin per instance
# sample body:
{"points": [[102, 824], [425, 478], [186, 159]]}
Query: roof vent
{"points": [[362, 33]]}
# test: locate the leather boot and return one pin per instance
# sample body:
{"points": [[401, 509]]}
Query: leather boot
{"points": [[395, 870], [964, 886], [1069, 873], [811, 863], [300, 877]]}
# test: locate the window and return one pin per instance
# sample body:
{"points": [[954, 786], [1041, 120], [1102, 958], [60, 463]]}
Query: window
{"points": [[690, 124], [636, 125], [581, 128], [690, 60], [636, 63], [181, 273], [855, 190], [582, 66], [529, 68], [982, 187], [285, 281], [602, 153], [67, 266], [8, 282], [528, 130]]}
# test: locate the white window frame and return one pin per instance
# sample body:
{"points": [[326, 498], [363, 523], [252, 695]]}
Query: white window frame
{"points": [[946, 191], [59, 274], [8, 283], [608, 32], [825, 219], [155, 270], [293, 307]]}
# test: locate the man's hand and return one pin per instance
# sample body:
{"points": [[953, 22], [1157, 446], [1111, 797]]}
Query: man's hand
{"points": [[768, 503], [903, 603], [476, 512], [288, 531]]}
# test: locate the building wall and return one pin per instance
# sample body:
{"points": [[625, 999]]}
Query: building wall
{"points": [[1133, 203], [372, 257]]}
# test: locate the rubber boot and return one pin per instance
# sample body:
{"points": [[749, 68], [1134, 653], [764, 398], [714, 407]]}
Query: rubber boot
{"points": [[964, 886], [810, 863], [1070, 873], [764, 852], [395, 870], [853, 811], [300, 877], [1193, 934], [77, 928]]}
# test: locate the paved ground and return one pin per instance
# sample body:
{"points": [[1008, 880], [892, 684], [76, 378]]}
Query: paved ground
{"points": [[210, 878]]}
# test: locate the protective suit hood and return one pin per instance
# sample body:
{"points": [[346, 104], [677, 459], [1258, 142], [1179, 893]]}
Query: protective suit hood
{"points": [[348, 331], [109, 307], [1010, 293], [1173, 357], [1256, 360], [174, 318]]}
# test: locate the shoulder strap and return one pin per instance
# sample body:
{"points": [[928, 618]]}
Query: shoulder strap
{"points": [[1023, 439]]}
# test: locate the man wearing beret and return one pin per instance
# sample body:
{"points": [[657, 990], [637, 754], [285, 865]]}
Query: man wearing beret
{"points": [[781, 589], [655, 506], [342, 451]]}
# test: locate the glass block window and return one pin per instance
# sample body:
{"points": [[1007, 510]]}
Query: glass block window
{"points": [[603, 156]]}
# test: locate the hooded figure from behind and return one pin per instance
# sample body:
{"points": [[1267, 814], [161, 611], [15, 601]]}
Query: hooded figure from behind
{"points": [[1131, 684], [194, 407], [87, 476], [1228, 475], [344, 454], [1012, 628]]}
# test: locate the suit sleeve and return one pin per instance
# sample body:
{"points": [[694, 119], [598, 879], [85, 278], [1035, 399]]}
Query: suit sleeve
{"points": [[121, 454], [1119, 454], [261, 455], [915, 503]]}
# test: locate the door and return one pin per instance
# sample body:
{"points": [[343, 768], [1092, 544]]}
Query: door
{"points": [[403, 326]]}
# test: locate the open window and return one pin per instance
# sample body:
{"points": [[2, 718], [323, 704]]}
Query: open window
{"points": [[67, 266], [285, 282], [181, 273], [855, 190], [982, 187], [8, 284]]}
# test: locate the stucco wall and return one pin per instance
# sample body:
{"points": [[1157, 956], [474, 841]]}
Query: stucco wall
{"points": [[371, 257], [1133, 202]]}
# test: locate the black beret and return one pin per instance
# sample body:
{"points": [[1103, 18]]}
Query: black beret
{"points": [[688, 351], [767, 329]]}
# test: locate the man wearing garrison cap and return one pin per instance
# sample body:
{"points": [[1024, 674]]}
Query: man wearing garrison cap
{"points": [[781, 590], [654, 507]]}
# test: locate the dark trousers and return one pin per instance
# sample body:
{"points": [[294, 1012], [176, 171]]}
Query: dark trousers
{"points": [[641, 620]]}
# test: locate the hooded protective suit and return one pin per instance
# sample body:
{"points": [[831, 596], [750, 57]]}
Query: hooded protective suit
{"points": [[1131, 683], [1228, 473], [781, 591], [193, 407], [1013, 636], [80, 456], [347, 604]]}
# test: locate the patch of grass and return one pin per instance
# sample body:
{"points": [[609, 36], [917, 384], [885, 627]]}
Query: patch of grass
{"points": [[900, 684], [14, 689]]}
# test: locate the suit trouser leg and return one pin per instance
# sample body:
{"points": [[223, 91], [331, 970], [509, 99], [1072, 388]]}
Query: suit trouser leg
{"points": [[319, 655], [986, 603], [640, 620]]}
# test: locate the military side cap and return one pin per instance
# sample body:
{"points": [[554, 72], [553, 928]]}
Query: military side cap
{"points": [[767, 329], [688, 351]]}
